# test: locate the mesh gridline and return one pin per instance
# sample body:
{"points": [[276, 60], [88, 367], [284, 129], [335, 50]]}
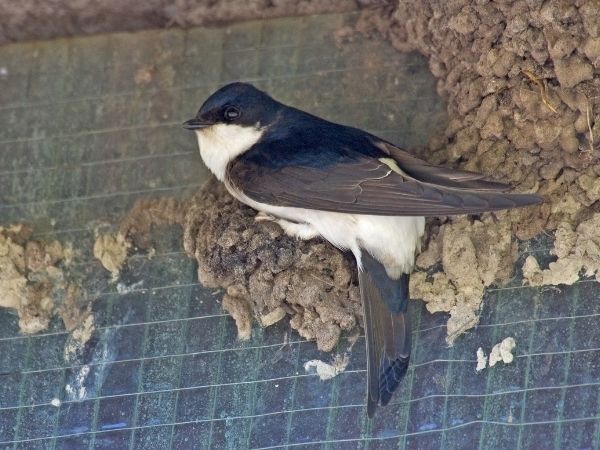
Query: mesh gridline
{"points": [[82, 140]]}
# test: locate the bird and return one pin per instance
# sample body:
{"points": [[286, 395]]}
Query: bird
{"points": [[363, 194]]}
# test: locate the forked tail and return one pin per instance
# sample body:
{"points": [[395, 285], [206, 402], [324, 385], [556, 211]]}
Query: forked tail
{"points": [[387, 330]]}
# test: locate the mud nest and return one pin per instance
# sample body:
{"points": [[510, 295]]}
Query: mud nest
{"points": [[266, 274]]}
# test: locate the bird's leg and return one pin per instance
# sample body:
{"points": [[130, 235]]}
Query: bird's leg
{"points": [[264, 217], [302, 231]]}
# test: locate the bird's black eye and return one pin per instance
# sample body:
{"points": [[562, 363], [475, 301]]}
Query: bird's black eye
{"points": [[231, 113]]}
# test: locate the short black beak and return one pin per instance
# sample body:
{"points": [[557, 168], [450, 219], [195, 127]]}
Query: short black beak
{"points": [[195, 124]]}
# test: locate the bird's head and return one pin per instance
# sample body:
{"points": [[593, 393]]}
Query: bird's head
{"points": [[230, 122], [236, 104]]}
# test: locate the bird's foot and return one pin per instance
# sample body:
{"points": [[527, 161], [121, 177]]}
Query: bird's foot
{"points": [[264, 217], [302, 231]]}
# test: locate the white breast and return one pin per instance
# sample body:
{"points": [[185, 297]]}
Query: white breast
{"points": [[222, 143]]}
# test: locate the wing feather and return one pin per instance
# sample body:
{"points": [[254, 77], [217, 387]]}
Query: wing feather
{"points": [[356, 182]]}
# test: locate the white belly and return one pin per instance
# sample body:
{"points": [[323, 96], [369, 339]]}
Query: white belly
{"points": [[394, 241]]}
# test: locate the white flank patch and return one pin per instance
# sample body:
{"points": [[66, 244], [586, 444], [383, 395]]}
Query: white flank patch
{"points": [[393, 241]]}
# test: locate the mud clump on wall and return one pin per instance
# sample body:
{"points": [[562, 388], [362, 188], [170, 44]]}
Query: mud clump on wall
{"points": [[34, 283], [111, 251], [474, 253], [577, 251], [265, 271], [266, 274], [27, 275]]}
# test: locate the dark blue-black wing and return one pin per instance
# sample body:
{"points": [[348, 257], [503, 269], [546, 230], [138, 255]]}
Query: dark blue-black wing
{"points": [[360, 174]]}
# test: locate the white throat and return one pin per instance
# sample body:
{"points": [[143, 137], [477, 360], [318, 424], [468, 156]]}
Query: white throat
{"points": [[219, 144]]}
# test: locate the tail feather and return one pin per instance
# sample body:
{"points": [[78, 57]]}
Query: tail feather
{"points": [[390, 378], [387, 330]]}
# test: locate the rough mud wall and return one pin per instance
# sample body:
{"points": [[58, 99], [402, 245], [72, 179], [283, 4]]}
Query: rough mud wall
{"points": [[577, 250], [474, 254], [34, 19], [268, 274]]}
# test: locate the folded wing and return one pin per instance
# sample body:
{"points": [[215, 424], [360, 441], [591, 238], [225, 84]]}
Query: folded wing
{"points": [[380, 180]]}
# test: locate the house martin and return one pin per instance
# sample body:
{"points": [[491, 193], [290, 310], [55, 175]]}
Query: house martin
{"points": [[359, 192]]}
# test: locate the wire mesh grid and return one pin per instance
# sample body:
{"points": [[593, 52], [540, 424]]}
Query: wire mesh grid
{"points": [[89, 125]]}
